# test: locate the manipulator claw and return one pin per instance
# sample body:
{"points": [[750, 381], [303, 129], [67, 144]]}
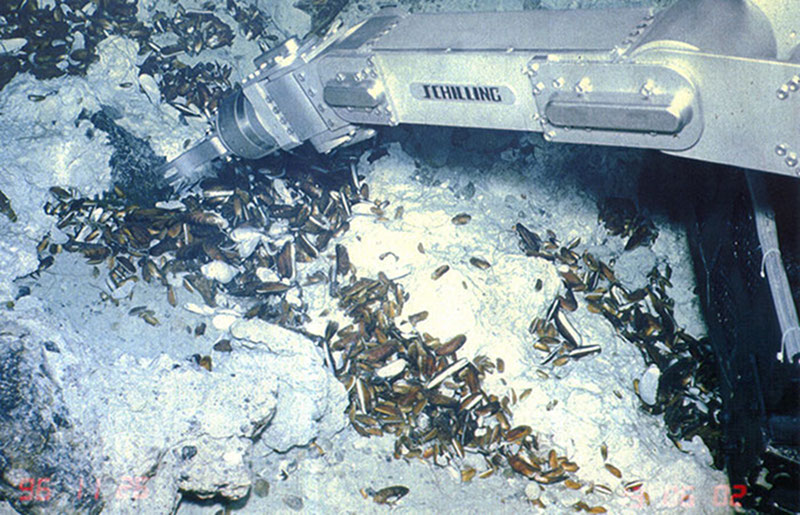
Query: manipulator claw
{"points": [[279, 106]]}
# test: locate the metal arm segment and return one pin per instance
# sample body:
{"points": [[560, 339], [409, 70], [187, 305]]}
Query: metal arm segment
{"points": [[713, 80]]}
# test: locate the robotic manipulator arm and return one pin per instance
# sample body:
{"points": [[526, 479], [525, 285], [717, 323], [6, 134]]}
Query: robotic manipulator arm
{"points": [[713, 80]]}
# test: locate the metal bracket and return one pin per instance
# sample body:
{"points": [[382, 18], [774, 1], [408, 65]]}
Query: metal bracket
{"points": [[755, 105], [354, 90], [628, 104]]}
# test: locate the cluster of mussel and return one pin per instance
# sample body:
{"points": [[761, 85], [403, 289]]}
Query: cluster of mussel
{"points": [[194, 91], [621, 218], [402, 383], [53, 40], [253, 24], [687, 391], [241, 235], [254, 228], [416, 387], [194, 31]]}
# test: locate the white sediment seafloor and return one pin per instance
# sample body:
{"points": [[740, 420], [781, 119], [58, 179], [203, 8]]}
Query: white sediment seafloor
{"points": [[43, 143], [574, 410], [145, 408]]}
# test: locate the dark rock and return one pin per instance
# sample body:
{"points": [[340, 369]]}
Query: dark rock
{"points": [[432, 144], [23, 291], [223, 346], [261, 488], [294, 502], [188, 452], [134, 164], [467, 192], [9, 66], [322, 13], [43, 462]]}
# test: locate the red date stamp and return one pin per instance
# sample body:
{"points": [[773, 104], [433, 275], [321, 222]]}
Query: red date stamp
{"points": [[33, 489], [684, 496]]}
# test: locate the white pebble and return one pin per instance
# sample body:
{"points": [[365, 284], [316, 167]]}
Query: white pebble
{"points": [[150, 88], [12, 45], [648, 385], [219, 271], [170, 204], [282, 192], [198, 309], [247, 240], [223, 322], [278, 228]]}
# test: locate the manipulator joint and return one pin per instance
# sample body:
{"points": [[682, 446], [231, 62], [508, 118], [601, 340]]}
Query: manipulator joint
{"points": [[279, 106]]}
